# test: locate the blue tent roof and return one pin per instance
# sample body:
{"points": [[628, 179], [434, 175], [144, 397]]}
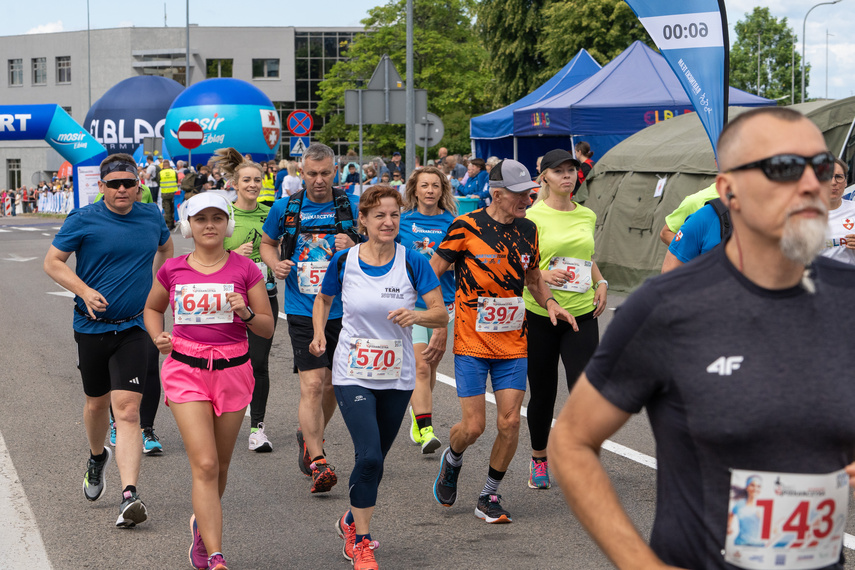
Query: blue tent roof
{"points": [[500, 123], [633, 91]]}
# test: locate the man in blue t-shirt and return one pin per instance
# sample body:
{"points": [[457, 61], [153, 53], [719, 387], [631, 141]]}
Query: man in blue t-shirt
{"points": [[119, 243], [700, 233], [310, 239]]}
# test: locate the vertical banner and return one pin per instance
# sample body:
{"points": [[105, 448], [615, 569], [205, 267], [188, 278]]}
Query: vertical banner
{"points": [[692, 36]]}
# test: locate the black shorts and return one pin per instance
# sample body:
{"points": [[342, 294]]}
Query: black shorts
{"points": [[302, 332], [113, 361]]}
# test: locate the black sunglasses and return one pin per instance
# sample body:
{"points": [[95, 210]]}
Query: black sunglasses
{"points": [[790, 167], [119, 182]]}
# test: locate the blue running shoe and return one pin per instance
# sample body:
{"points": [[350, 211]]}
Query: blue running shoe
{"points": [[538, 474], [150, 442], [112, 432], [445, 486]]}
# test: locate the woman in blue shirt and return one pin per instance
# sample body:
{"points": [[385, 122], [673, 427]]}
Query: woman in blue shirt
{"points": [[429, 208], [476, 186]]}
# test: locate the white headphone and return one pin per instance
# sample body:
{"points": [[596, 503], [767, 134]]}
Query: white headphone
{"points": [[184, 224]]}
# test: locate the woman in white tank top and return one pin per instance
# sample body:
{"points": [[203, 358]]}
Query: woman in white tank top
{"points": [[374, 366]]}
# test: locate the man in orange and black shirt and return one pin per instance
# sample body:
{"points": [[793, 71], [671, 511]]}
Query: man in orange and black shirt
{"points": [[495, 254]]}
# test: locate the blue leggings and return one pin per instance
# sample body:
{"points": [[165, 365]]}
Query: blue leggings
{"points": [[373, 418]]}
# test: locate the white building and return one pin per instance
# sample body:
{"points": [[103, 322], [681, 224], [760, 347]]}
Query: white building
{"points": [[74, 69]]}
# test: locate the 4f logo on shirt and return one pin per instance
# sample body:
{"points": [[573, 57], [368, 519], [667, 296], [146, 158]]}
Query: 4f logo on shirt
{"points": [[525, 259], [848, 224], [679, 235], [725, 365]]}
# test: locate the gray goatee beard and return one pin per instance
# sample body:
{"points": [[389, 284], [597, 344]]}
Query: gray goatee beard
{"points": [[804, 239]]}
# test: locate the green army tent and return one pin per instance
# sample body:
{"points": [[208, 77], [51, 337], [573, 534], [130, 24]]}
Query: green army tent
{"points": [[622, 187]]}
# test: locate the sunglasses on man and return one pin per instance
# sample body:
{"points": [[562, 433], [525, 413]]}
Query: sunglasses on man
{"points": [[117, 183], [790, 167]]}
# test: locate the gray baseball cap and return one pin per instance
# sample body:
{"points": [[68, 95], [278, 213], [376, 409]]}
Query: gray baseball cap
{"points": [[511, 175]]}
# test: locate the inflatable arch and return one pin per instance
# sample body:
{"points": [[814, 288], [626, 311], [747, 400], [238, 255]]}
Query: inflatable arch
{"points": [[56, 127]]}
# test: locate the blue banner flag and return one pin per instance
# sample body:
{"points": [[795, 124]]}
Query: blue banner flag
{"points": [[692, 36]]}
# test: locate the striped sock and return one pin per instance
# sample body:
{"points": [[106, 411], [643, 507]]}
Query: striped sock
{"points": [[453, 458], [494, 477], [423, 421]]}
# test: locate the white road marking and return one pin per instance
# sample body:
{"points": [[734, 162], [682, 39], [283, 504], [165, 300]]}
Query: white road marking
{"points": [[5, 231], [608, 445], [15, 257], [20, 540], [64, 293], [45, 234], [57, 227], [24, 229]]}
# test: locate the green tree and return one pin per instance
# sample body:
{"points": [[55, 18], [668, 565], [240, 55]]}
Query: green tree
{"points": [[603, 27], [447, 61], [510, 29], [775, 53]]}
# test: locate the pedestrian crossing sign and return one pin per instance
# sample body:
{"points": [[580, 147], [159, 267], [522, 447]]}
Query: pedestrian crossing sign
{"points": [[299, 145]]}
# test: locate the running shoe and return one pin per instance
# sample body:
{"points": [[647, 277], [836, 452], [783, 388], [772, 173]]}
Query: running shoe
{"points": [[430, 443], [258, 440], [95, 481], [217, 562], [491, 510], [538, 474], [112, 432], [415, 434], [151, 444], [445, 486], [132, 511], [304, 461], [363, 555], [198, 553], [348, 533], [323, 476]]}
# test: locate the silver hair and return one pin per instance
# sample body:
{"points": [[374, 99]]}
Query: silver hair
{"points": [[318, 152]]}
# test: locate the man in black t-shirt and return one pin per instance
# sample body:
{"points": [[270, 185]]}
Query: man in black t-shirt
{"points": [[749, 403]]}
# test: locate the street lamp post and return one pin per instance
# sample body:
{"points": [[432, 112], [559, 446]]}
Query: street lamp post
{"points": [[804, 31]]}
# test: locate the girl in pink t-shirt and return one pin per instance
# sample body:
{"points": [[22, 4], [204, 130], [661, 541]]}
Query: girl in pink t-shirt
{"points": [[207, 377]]}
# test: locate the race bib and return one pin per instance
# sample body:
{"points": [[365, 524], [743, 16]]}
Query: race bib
{"points": [[375, 359], [262, 267], [785, 520], [500, 315], [450, 309], [310, 274], [580, 273], [202, 304]]}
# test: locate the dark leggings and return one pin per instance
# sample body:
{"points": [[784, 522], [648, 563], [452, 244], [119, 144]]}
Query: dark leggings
{"points": [[151, 390], [373, 418], [545, 344], [259, 352]]}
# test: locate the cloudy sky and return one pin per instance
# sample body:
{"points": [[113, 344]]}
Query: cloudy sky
{"points": [[70, 15]]}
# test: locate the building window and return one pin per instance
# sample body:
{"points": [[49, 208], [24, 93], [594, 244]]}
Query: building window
{"points": [[16, 72], [39, 71], [13, 172], [218, 68], [63, 69], [265, 68]]}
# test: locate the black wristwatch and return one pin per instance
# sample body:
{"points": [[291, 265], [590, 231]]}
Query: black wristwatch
{"points": [[251, 316]]}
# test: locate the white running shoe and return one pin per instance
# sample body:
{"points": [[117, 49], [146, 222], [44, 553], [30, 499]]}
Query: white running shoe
{"points": [[258, 440]]}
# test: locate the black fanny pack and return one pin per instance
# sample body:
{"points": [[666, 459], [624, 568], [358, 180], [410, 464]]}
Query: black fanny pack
{"points": [[202, 363], [102, 319]]}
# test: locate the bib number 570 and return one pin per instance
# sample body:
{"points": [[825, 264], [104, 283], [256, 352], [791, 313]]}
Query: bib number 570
{"points": [[375, 357]]}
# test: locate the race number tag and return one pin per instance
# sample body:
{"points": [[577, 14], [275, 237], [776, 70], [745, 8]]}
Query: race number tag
{"points": [[310, 274], [784, 520], [580, 273], [375, 359], [450, 309], [202, 304], [500, 315], [262, 267]]}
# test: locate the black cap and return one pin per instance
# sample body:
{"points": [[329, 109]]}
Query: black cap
{"points": [[557, 157]]}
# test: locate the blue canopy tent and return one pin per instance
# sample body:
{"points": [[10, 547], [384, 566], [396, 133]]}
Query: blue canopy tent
{"points": [[635, 90], [493, 134]]}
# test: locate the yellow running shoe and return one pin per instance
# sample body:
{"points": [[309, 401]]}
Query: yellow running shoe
{"points": [[415, 436], [430, 443]]}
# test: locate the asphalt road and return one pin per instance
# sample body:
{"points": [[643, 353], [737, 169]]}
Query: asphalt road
{"points": [[271, 520]]}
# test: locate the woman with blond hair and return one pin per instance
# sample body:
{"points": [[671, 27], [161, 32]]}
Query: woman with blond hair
{"points": [[429, 209]]}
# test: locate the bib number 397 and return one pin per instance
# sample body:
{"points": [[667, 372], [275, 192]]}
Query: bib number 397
{"points": [[375, 359], [203, 304], [500, 314], [785, 520]]}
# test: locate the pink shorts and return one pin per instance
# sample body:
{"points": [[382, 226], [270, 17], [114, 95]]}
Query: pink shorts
{"points": [[228, 390]]}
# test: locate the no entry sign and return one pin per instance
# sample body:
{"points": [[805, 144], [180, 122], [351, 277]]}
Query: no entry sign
{"points": [[299, 123], [190, 135]]}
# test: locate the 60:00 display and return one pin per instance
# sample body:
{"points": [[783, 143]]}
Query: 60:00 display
{"points": [[691, 31]]}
